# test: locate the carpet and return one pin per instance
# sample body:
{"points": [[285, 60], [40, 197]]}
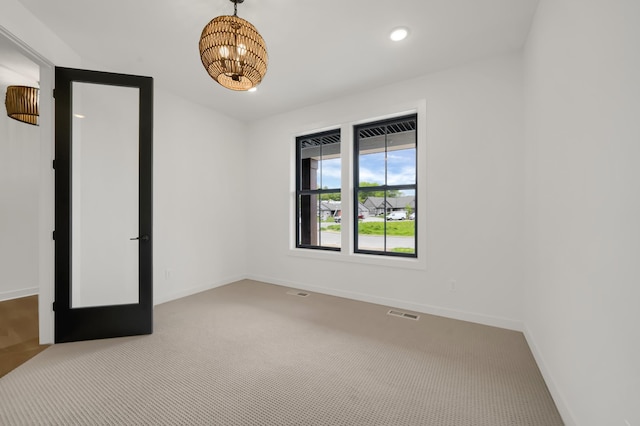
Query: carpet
{"points": [[250, 353]]}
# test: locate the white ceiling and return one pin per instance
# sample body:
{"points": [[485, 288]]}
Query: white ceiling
{"points": [[15, 68], [318, 50]]}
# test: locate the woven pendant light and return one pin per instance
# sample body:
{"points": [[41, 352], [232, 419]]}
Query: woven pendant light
{"points": [[233, 52], [22, 104]]}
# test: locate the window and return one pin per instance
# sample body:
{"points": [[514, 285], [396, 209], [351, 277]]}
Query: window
{"points": [[385, 187], [381, 203], [318, 202]]}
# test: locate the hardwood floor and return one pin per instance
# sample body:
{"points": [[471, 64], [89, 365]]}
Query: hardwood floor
{"points": [[18, 332]]}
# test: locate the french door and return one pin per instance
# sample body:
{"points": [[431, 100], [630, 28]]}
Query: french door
{"points": [[103, 205]]}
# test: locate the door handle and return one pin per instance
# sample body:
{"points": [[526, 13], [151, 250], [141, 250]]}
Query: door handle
{"points": [[142, 237]]}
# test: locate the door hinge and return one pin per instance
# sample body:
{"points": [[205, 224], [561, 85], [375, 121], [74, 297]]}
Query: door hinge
{"points": [[53, 164], [54, 306], [54, 93], [54, 235]]}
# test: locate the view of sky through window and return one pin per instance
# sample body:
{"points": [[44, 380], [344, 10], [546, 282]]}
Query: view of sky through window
{"points": [[401, 166]]}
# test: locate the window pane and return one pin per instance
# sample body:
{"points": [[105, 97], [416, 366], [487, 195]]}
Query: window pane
{"points": [[308, 220], [320, 161], [330, 165], [401, 230], [331, 207], [329, 220], [370, 229], [371, 160], [401, 159]]}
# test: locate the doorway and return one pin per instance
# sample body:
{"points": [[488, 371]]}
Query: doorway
{"points": [[20, 161], [38, 182]]}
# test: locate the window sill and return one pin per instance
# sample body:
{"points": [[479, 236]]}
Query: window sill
{"points": [[362, 259]]}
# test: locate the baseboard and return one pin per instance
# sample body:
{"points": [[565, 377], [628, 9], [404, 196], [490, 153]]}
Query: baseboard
{"points": [[566, 414], [193, 290], [506, 323], [16, 294]]}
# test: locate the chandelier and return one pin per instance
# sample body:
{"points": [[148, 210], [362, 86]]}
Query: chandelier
{"points": [[233, 52], [22, 104]]}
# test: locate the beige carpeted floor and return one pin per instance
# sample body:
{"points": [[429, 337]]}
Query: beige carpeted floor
{"points": [[250, 354]]}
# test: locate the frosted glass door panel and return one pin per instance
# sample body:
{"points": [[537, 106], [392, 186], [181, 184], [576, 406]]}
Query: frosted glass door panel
{"points": [[104, 194]]}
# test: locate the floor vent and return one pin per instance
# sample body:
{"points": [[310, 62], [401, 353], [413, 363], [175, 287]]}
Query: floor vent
{"points": [[297, 293], [403, 315]]}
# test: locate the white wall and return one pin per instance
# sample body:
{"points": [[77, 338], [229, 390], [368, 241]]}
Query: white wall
{"points": [[474, 201], [19, 180], [200, 174], [583, 206]]}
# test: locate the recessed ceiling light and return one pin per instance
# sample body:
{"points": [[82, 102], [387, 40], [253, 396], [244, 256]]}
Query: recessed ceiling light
{"points": [[78, 115], [399, 33], [253, 89]]}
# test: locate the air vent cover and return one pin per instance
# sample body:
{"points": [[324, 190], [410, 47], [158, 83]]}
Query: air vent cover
{"points": [[401, 314], [297, 293]]}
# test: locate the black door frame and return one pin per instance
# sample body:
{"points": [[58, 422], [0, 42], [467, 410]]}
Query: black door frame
{"points": [[73, 324]]}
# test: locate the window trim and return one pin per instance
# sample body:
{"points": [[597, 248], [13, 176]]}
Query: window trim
{"points": [[347, 255]]}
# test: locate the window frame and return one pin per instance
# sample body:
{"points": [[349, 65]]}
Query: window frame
{"points": [[299, 191], [385, 187]]}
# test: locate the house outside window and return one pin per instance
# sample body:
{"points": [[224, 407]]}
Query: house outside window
{"points": [[318, 198], [385, 185]]}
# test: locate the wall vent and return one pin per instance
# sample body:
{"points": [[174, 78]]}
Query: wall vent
{"points": [[403, 315], [298, 293]]}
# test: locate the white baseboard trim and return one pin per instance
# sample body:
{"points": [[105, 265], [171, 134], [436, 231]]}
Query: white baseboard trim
{"points": [[506, 323], [567, 416], [193, 290], [16, 294]]}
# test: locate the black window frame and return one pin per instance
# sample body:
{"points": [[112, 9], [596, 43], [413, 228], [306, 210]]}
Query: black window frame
{"points": [[329, 136], [357, 189]]}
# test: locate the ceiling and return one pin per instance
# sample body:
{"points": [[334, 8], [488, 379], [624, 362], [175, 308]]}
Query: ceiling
{"points": [[15, 68], [318, 50]]}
